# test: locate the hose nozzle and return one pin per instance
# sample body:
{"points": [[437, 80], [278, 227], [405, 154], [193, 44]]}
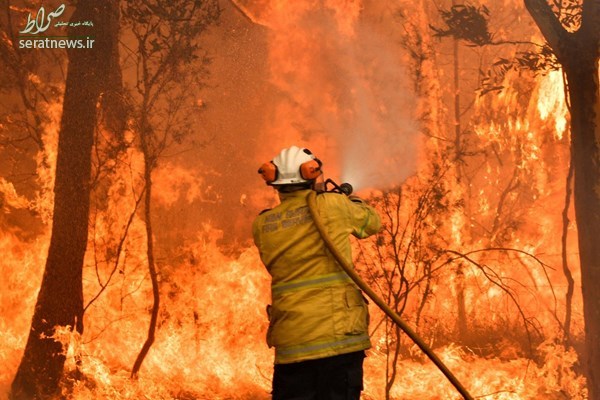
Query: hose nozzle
{"points": [[346, 188]]}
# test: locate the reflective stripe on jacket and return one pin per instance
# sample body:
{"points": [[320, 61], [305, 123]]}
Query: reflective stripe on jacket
{"points": [[317, 311]]}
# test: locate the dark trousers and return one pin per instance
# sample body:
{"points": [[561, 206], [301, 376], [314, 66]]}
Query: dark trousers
{"points": [[332, 378]]}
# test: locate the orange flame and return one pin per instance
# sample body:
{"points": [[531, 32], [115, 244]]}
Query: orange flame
{"points": [[343, 93]]}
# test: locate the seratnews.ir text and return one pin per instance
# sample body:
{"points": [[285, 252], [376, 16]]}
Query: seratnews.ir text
{"points": [[55, 43]]}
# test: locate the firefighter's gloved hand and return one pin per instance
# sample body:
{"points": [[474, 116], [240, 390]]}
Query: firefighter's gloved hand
{"points": [[355, 198]]}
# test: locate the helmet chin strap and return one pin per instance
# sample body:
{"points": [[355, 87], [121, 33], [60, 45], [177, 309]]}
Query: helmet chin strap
{"points": [[380, 303]]}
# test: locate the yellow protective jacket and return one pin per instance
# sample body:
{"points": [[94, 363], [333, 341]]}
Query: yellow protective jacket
{"points": [[317, 311]]}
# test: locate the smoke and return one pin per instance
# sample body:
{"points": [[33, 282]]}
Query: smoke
{"points": [[343, 91], [378, 150]]}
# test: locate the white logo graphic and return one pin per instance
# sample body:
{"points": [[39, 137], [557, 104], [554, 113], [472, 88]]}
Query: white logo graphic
{"points": [[41, 21]]}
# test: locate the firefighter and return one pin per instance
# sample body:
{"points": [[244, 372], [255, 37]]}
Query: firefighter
{"points": [[318, 319]]}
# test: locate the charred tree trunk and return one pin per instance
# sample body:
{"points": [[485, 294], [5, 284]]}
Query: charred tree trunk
{"points": [[578, 54], [149, 164], [460, 275], [585, 128], [60, 299], [167, 65], [565, 262]]}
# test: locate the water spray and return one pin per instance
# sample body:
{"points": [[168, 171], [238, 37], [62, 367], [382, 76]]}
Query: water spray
{"points": [[346, 189]]}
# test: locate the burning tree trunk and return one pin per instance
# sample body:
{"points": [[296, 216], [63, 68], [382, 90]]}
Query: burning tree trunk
{"points": [[60, 300], [461, 321], [578, 54], [149, 164], [169, 65]]}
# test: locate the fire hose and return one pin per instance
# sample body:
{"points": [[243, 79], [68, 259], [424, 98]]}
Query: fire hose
{"points": [[378, 301]]}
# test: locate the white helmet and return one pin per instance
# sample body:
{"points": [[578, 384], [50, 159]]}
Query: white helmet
{"points": [[293, 165]]}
